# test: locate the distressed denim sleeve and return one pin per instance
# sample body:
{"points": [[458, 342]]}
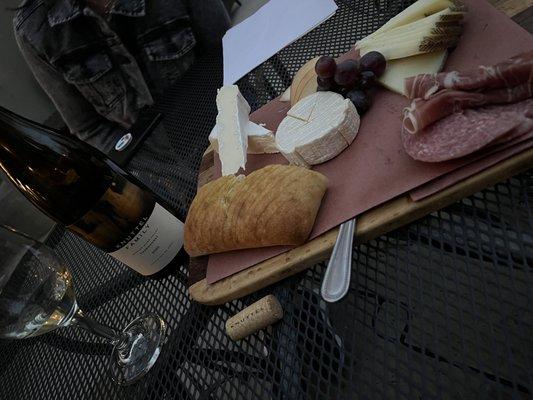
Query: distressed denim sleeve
{"points": [[210, 21], [79, 115]]}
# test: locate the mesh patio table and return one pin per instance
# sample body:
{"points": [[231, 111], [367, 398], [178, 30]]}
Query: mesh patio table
{"points": [[437, 309]]}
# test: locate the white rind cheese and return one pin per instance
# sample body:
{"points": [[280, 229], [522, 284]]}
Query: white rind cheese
{"points": [[260, 140], [332, 126], [232, 119], [303, 109]]}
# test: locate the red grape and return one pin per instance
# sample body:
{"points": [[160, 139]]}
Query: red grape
{"points": [[375, 62], [325, 84], [360, 100], [325, 67], [367, 80], [347, 73]]}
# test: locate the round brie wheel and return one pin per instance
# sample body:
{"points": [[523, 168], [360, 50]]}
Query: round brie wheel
{"points": [[317, 128]]}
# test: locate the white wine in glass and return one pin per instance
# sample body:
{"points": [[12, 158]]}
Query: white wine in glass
{"points": [[37, 296]]}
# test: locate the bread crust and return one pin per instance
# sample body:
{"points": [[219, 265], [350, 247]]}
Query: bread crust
{"points": [[276, 205]]}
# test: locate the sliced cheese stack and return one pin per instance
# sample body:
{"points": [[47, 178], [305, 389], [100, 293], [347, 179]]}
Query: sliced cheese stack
{"points": [[420, 11], [317, 129], [415, 12], [260, 140], [435, 32], [416, 40]]}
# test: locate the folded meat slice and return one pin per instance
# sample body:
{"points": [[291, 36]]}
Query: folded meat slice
{"points": [[512, 72], [423, 113], [463, 133], [486, 160]]}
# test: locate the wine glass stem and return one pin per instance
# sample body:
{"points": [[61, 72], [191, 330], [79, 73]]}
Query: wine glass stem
{"points": [[114, 337]]}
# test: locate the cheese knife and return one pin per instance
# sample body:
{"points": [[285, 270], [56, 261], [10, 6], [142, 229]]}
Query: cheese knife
{"points": [[337, 277]]}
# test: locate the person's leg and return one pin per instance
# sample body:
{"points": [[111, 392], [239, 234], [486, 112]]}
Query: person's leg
{"points": [[210, 21], [247, 8]]}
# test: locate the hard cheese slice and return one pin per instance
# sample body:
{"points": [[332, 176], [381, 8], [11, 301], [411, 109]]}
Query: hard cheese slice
{"points": [[435, 32], [260, 140], [331, 127], [232, 119], [418, 10], [304, 82], [397, 70]]}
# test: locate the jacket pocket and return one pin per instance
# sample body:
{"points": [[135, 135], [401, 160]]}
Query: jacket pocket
{"points": [[102, 84], [171, 45], [168, 53]]}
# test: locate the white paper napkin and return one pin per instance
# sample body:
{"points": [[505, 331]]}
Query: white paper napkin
{"points": [[274, 26]]}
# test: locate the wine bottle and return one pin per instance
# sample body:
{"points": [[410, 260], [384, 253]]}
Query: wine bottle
{"points": [[80, 188]]}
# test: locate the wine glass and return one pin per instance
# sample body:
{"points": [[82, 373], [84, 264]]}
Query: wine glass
{"points": [[37, 296]]}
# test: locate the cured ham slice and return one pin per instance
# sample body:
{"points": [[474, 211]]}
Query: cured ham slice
{"points": [[513, 72], [423, 113], [463, 133]]}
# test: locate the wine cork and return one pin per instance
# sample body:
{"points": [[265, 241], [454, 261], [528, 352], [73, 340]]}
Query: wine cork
{"points": [[257, 316]]}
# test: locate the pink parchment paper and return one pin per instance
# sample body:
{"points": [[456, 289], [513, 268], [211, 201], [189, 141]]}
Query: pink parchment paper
{"points": [[447, 180], [375, 168]]}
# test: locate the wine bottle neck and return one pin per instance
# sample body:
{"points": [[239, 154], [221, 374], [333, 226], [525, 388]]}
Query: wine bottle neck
{"points": [[61, 175], [11, 118]]}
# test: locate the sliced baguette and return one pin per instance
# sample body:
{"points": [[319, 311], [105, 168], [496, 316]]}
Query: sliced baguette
{"points": [[275, 205]]}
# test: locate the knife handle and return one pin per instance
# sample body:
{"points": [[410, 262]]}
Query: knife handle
{"points": [[337, 277]]}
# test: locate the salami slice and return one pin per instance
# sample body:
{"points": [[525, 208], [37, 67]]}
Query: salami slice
{"points": [[463, 133]]}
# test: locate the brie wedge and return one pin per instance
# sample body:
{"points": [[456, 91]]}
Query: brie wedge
{"points": [[328, 128], [260, 140], [232, 120]]}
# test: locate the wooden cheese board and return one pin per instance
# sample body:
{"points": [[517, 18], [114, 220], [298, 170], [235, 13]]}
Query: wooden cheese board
{"points": [[377, 221]]}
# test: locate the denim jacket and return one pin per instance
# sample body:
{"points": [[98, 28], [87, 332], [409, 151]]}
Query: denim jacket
{"points": [[100, 72]]}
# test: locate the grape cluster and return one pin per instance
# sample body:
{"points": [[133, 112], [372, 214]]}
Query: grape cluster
{"points": [[351, 78]]}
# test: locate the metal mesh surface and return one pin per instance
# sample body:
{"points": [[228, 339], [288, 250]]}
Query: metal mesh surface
{"points": [[169, 160], [352, 21], [439, 309]]}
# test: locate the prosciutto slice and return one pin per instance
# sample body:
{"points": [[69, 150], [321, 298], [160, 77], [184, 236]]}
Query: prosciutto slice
{"points": [[423, 113], [512, 72], [463, 133]]}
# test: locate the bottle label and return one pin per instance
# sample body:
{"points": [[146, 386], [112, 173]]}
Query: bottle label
{"points": [[154, 243]]}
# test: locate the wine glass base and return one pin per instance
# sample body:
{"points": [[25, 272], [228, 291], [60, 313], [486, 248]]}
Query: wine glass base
{"points": [[133, 358]]}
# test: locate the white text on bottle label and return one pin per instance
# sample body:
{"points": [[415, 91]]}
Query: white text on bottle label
{"points": [[155, 245]]}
